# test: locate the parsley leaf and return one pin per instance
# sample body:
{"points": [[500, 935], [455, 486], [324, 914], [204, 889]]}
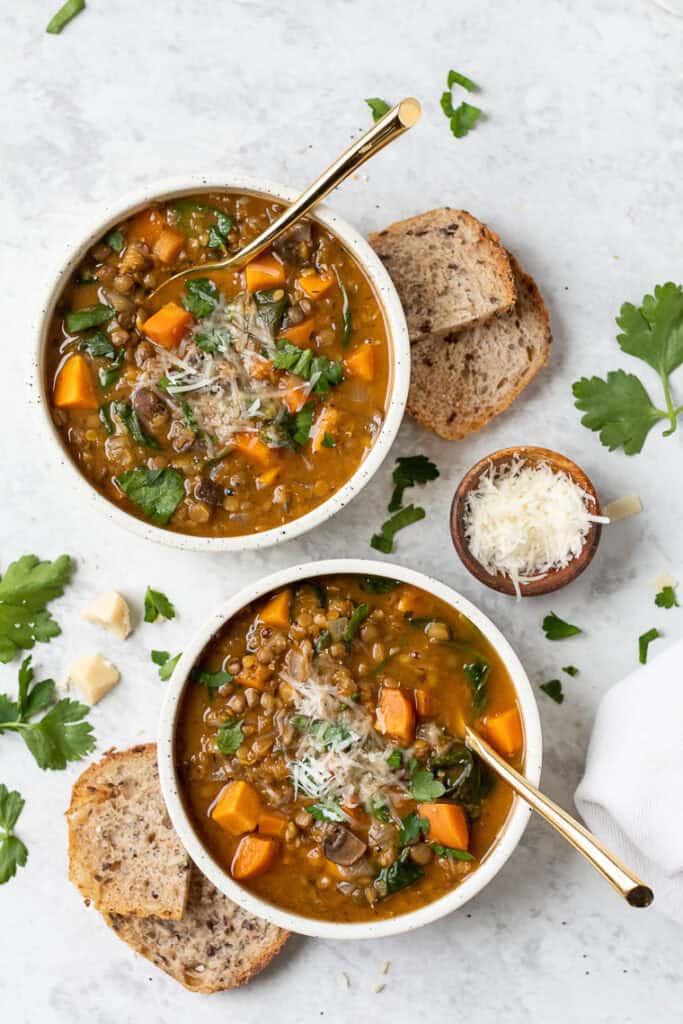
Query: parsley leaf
{"points": [[60, 736], [477, 673], [230, 736], [211, 341], [456, 78], [450, 851], [653, 331], [13, 852], [298, 427], [554, 690], [379, 808], [302, 363], [323, 641], [424, 787], [412, 827], [115, 240], [619, 407], [571, 670], [410, 471], [378, 107], [326, 810], [666, 598], [464, 119], [201, 297], [211, 680], [165, 662], [384, 540], [157, 605], [92, 316], [25, 590], [395, 759], [66, 13], [158, 492], [556, 628], [644, 642]]}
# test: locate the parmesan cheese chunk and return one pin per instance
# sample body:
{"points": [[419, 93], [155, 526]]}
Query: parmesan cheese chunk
{"points": [[94, 676], [662, 580], [110, 611], [623, 508]]}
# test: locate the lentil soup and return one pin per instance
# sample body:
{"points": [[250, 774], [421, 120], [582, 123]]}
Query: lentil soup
{"points": [[318, 750], [246, 400]]}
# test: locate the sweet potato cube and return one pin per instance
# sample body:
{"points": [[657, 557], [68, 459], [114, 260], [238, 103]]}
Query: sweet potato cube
{"points": [[254, 855], [265, 271], [315, 285], [503, 730], [276, 612], [272, 823], [361, 363], [238, 808], [325, 424], [299, 334], [74, 388], [423, 702], [396, 715], [447, 824], [168, 245], [167, 326], [253, 449], [147, 226]]}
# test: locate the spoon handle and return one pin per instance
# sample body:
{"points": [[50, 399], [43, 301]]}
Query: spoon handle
{"points": [[392, 124], [628, 885]]}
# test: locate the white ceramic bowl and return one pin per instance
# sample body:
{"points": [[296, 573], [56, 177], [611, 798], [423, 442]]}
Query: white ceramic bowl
{"points": [[494, 860], [397, 332]]}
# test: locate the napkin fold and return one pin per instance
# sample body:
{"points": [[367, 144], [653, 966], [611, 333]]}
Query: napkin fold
{"points": [[631, 794]]}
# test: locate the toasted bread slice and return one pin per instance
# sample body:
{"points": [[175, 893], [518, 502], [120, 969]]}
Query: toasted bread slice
{"points": [[216, 946], [123, 852], [449, 269], [460, 382]]}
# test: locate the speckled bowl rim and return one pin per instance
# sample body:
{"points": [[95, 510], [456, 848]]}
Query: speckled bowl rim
{"points": [[512, 830], [113, 213]]}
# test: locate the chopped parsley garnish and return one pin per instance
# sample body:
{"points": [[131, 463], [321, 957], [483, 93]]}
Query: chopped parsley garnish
{"points": [[218, 232], [553, 688], [424, 787], [26, 589], [401, 873], [410, 471], [666, 598], [644, 642], [115, 240], [323, 641], [477, 673], [92, 316], [131, 421], [358, 615], [328, 441], [211, 680], [271, 306], [456, 78], [449, 851], [571, 670], [324, 735], [412, 828], [230, 736], [201, 297], [165, 662], [302, 363], [378, 584], [326, 810], [379, 808], [465, 116], [384, 540], [298, 427], [66, 13], [619, 406], [60, 735], [395, 759], [158, 492], [556, 628], [13, 852], [210, 341], [378, 107], [108, 375], [157, 605], [188, 416]]}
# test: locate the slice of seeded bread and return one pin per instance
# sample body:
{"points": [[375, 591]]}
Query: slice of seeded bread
{"points": [[216, 946], [449, 269], [459, 382], [123, 853]]}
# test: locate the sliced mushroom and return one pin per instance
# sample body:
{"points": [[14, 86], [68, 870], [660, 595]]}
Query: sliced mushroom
{"points": [[151, 409], [341, 846], [295, 244], [207, 490]]}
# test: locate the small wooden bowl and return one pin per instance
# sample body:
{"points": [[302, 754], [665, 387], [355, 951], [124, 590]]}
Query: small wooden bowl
{"points": [[556, 578]]}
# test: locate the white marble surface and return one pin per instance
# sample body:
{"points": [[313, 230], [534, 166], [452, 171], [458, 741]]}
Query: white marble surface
{"points": [[578, 166]]}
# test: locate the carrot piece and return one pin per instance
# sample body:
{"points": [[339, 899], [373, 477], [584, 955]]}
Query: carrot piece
{"points": [[272, 823], [147, 227], [447, 824], [361, 363], [269, 476], [504, 731], [74, 388], [253, 449], [396, 715], [260, 369], [237, 808], [300, 334], [423, 702], [409, 601], [276, 612], [167, 326], [264, 272], [294, 397], [254, 856], [314, 285], [168, 245], [325, 423]]}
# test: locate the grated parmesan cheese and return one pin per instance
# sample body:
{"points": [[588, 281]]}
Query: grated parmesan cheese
{"points": [[525, 521]]}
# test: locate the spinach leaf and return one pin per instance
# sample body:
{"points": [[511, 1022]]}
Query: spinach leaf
{"points": [[410, 471], [571, 670], [129, 417], [358, 615], [477, 673], [158, 492], [105, 418], [554, 690], [108, 375], [230, 736], [384, 540], [92, 316], [326, 810], [465, 778], [412, 828], [378, 584], [556, 628], [401, 873], [450, 851], [115, 240], [271, 306], [201, 297], [99, 345]]}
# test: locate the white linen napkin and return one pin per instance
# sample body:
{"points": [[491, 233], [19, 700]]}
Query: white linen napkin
{"points": [[631, 795]]}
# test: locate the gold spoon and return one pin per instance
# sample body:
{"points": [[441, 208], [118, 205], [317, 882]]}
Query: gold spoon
{"points": [[628, 885], [389, 127]]}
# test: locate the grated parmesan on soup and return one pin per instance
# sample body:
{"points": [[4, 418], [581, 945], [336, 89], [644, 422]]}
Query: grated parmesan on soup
{"points": [[524, 521]]}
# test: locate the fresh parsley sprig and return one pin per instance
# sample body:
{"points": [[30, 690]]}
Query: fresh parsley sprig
{"points": [[157, 605], [553, 688], [666, 598], [26, 589], [465, 116], [410, 471], [13, 852], [556, 628], [166, 663], [378, 107]]}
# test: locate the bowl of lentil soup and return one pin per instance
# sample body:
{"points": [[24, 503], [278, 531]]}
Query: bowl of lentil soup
{"points": [[310, 748], [252, 405]]}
